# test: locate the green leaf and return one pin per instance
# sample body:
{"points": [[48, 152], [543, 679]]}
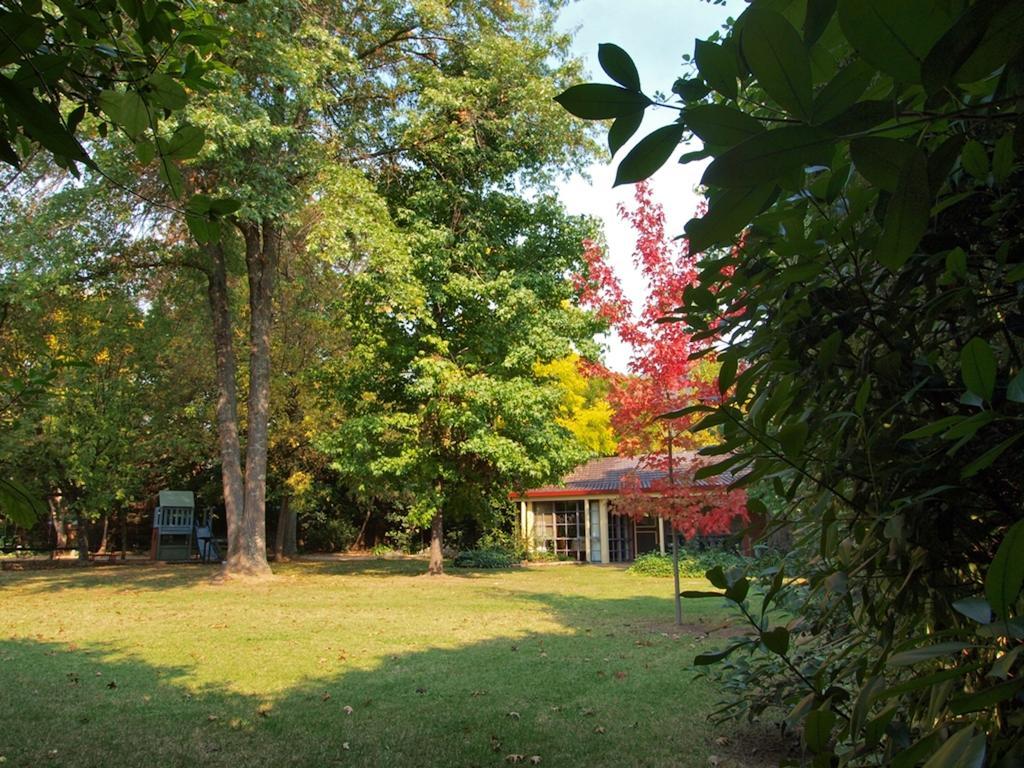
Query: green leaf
{"points": [[961, 750], [1006, 573], [649, 154], [717, 65], [894, 36], [974, 159], [713, 658], [987, 698], [727, 374], [717, 578], [171, 176], [689, 89], [145, 151], [1004, 664], [974, 608], [906, 218], [880, 160], [737, 591], [597, 101], [1015, 389], [816, 18], [978, 368], [988, 457], [776, 640], [186, 143], [622, 130], [1003, 158], [1001, 44], [618, 66], [39, 121], [917, 655], [167, 92], [818, 729], [842, 91], [777, 58], [862, 397], [954, 48], [861, 117], [729, 213], [933, 428], [792, 437], [126, 109], [18, 504], [721, 125], [225, 206], [768, 156]]}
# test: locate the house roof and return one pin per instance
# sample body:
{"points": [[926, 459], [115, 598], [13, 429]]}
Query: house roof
{"points": [[604, 476]]}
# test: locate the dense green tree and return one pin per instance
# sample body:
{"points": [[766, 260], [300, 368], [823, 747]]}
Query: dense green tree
{"points": [[866, 179]]}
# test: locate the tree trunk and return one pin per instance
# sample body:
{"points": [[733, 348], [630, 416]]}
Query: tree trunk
{"points": [[106, 531], [227, 398], [360, 542], [436, 567], [60, 532], [82, 534], [261, 256], [124, 532], [282, 529]]}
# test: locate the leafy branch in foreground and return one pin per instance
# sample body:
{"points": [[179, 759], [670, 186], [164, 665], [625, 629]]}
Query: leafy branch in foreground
{"points": [[865, 182]]}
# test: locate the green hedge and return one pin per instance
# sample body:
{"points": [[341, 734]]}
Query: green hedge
{"points": [[483, 558], [692, 565]]}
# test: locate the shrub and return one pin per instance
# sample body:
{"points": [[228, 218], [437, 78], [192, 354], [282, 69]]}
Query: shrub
{"points": [[483, 558], [514, 544], [335, 534], [692, 565]]}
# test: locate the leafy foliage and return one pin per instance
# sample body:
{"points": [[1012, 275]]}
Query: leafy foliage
{"points": [[692, 564], [870, 300], [483, 558]]}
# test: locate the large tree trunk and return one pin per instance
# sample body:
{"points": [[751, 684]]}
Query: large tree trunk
{"points": [[106, 532], [60, 532], [261, 256], [436, 567], [227, 399]]}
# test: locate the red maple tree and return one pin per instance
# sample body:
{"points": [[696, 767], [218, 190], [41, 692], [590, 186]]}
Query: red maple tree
{"points": [[662, 378]]}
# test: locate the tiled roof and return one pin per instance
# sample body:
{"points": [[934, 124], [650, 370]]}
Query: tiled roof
{"points": [[605, 475]]}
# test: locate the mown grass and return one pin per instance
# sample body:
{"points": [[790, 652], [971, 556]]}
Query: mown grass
{"points": [[161, 666]]}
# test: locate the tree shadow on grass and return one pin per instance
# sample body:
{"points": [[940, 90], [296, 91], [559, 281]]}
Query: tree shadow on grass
{"points": [[593, 691]]}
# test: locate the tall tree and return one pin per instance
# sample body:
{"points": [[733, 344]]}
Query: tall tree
{"points": [[380, 87], [669, 371]]}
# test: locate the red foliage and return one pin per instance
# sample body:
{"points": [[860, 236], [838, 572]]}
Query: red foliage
{"points": [[662, 378]]}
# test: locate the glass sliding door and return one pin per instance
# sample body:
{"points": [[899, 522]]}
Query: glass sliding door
{"points": [[559, 527]]}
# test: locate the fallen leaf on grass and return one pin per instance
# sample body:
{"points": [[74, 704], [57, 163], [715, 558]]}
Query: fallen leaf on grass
{"points": [[112, 684], [620, 675], [587, 712], [325, 697], [514, 758], [534, 759], [347, 709], [212, 718], [513, 715], [495, 744], [474, 694], [263, 710], [599, 729], [722, 741], [344, 745]]}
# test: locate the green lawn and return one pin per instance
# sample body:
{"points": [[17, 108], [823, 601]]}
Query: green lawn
{"points": [[351, 664]]}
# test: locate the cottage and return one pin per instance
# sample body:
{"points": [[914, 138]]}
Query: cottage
{"points": [[576, 519]]}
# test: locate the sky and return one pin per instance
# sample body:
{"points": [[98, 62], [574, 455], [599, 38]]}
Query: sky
{"points": [[656, 33]]}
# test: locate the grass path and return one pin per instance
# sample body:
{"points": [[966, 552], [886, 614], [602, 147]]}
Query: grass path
{"points": [[350, 664]]}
